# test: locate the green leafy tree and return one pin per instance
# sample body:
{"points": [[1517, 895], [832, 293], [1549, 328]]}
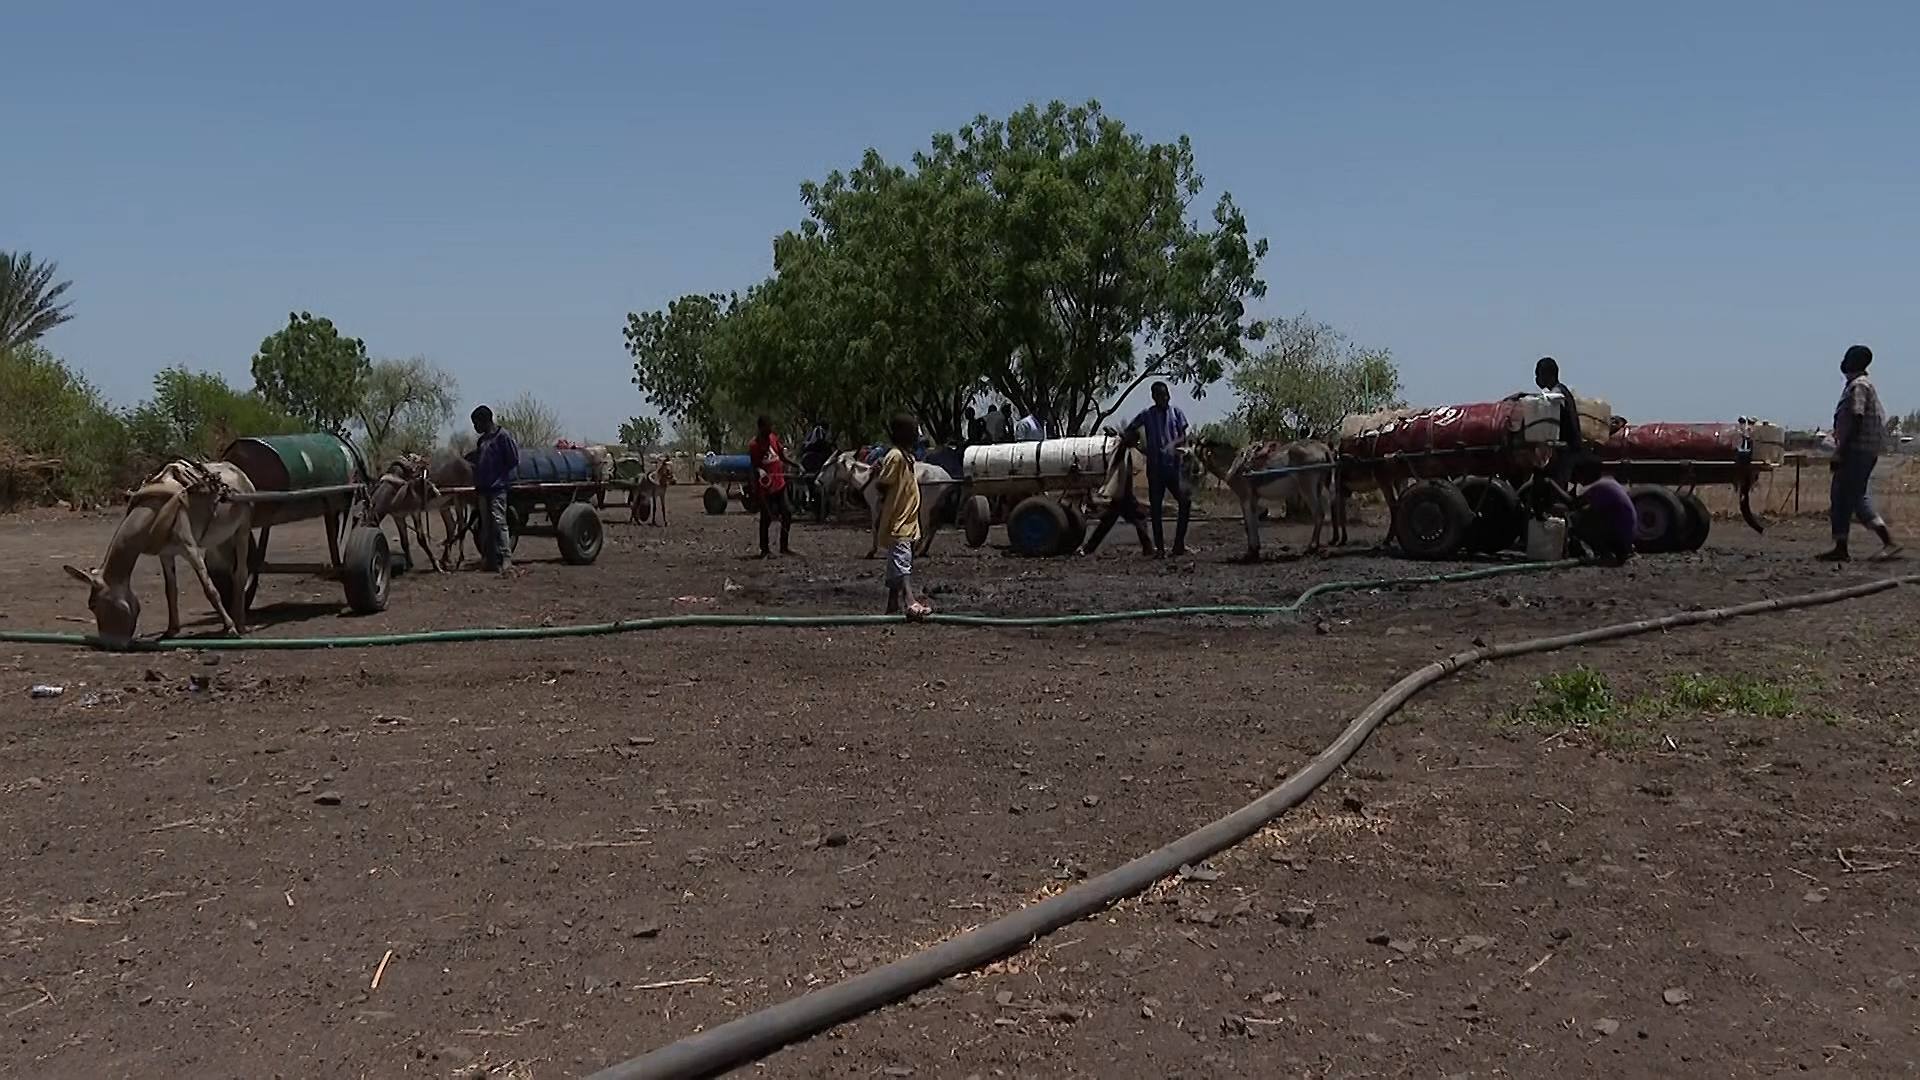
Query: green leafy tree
{"points": [[1096, 277], [531, 421], [311, 372], [30, 303], [196, 414], [403, 407], [678, 367], [59, 439], [1307, 379], [640, 434]]}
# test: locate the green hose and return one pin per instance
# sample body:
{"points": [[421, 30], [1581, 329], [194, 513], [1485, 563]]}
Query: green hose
{"points": [[666, 622]]}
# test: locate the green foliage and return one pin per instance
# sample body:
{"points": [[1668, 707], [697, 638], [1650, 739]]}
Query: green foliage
{"points": [[195, 415], [403, 407], [312, 373], [1740, 694], [30, 303], [674, 362], [58, 437], [1308, 378], [1230, 431], [640, 434], [530, 421], [1049, 258]]}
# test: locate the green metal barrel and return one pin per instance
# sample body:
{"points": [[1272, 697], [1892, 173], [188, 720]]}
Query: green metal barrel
{"points": [[321, 463]]}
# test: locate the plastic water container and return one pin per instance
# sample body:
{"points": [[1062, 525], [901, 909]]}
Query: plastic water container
{"points": [[1547, 540]]}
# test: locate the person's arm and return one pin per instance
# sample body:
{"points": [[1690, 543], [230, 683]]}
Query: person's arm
{"points": [[1845, 420], [885, 480], [1180, 429]]}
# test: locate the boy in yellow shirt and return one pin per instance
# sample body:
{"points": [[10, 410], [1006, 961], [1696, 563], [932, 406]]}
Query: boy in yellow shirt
{"points": [[899, 519]]}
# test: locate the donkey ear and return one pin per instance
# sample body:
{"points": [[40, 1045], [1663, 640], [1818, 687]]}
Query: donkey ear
{"points": [[78, 574]]}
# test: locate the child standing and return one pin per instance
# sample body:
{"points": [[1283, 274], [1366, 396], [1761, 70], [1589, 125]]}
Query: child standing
{"points": [[899, 519]]}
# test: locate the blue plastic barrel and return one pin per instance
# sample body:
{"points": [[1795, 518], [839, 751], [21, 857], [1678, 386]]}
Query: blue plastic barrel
{"points": [[547, 466]]}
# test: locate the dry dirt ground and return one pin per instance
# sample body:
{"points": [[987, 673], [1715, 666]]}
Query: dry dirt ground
{"points": [[1699, 859]]}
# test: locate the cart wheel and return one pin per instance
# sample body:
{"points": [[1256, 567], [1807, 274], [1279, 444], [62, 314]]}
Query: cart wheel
{"points": [[1036, 525], [714, 499], [977, 517], [1076, 533], [365, 570], [1497, 518], [516, 524], [580, 534], [1699, 521], [1662, 520], [1433, 520]]}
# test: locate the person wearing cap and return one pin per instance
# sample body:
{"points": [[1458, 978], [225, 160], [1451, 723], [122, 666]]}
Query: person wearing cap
{"points": [[1859, 434], [494, 459]]}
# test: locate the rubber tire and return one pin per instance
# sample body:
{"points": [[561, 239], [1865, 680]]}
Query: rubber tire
{"points": [[1660, 520], [1498, 521], [1076, 532], [366, 570], [977, 517], [1432, 520], [714, 500], [580, 533], [1699, 521], [1035, 526], [516, 524]]}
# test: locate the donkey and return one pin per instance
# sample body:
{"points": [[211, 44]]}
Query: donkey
{"points": [[1312, 480], [845, 468], [183, 510], [405, 492], [409, 491], [651, 491]]}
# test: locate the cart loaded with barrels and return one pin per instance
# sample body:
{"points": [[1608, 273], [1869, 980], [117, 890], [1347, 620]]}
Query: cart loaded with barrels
{"points": [[1037, 490], [312, 477], [1458, 476], [561, 485]]}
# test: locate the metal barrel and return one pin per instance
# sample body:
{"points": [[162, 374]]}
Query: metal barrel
{"points": [[318, 462]]}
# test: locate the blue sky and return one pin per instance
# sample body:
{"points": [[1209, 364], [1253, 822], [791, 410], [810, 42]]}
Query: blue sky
{"points": [[1696, 206]]}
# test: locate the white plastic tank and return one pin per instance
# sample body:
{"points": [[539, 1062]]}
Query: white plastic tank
{"points": [[1080, 458]]}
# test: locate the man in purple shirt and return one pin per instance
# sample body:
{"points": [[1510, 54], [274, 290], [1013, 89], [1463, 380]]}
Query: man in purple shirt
{"points": [[1166, 431], [495, 457], [1605, 522]]}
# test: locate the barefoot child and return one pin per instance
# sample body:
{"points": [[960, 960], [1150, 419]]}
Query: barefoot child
{"points": [[899, 520]]}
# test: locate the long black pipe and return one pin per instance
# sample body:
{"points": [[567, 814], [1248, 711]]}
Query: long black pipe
{"points": [[754, 1036]]}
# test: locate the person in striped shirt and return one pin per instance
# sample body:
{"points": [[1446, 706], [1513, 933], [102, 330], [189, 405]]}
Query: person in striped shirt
{"points": [[1859, 434]]}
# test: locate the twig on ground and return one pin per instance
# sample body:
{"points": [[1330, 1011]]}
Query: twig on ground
{"points": [[381, 970], [697, 979]]}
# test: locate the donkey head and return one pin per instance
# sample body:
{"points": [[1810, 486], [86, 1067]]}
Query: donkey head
{"points": [[116, 610]]}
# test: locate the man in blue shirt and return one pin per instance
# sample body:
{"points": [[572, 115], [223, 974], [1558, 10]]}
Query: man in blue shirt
{"points": [[1166, 431], [494, 460]]}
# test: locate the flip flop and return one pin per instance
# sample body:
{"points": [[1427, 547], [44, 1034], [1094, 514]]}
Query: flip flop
{"points": [[916, 612]]}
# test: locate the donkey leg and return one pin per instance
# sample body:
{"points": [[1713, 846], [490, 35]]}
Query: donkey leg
{"points": [[1250, 512], [242, 553], [198, 560], [173, 596]]}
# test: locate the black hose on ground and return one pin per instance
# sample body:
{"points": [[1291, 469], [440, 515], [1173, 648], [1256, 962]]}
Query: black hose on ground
{"points": [[754, 1036]]}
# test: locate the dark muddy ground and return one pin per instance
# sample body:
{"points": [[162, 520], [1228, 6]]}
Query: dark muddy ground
{"points": [[579, 850]]}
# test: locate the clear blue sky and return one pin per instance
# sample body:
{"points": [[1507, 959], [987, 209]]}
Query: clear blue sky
{"points": [[1696, 206]]}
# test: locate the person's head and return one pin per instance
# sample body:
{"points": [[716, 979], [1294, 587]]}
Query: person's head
{"points": [[763, 424], [992, 408], [903, 430], [1161, 395], [970, 413], [483, 420], [1546, 373], [1856, 361]]}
